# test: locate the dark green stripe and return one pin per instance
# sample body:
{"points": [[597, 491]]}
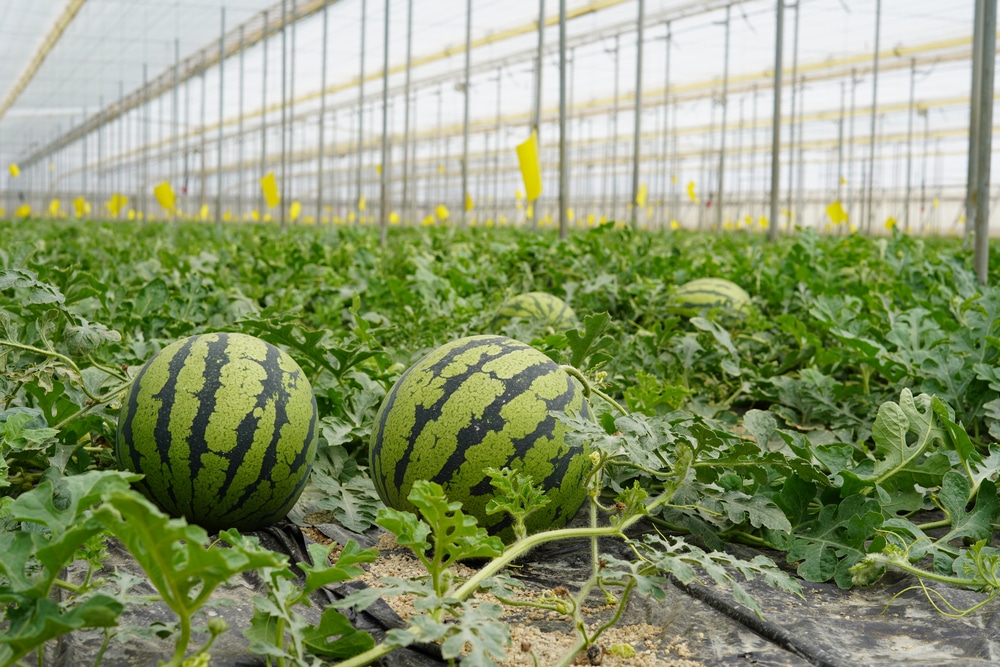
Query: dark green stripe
{"points": [[216, 357], [162, 435]]}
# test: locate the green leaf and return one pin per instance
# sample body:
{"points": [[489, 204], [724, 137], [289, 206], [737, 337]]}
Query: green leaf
{"points": [[151, 298], [478, 625], [347, 567], [42, 620], [335, 637], [591, 340], [761, 425], [456, 534]]}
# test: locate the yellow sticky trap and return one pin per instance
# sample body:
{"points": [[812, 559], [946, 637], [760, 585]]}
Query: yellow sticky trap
{"points": [[255, 215], [362, 204], [268, 218], [54, 207], [531, 171], [227, 216], [673, 179], [763, 222], [294, 210], [351, 216], [14, 170], [518, 195], [890, 222], [640, 196], [203, 212], [692, 195], [590, 219], [469, 204], [164, 194], [529, 212], [935, 202], [394, 218], [570, 215], [440, 168], [131, 214], [674, 225], [429, 220], [441, 212], [378, 169], [843, 181], [835, 211], [269, 187], [23, 211], [852, 228], [81, 207], [116, 204], [503, 220]]}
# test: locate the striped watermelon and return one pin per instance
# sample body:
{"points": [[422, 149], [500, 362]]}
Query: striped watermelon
{"points": [[702, 293], [540, 308], [223, 426], [471, 404]]}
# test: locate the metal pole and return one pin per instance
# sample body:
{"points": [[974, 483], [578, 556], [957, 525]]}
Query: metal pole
{"points": [[284, 111], [239, 131], [496, 152], [871, 149], [465, 116], [638, 114], [204, 174], [987, 56], [263, 122], [406, 112], [537, 109], [291, 190], [144, 204], [218, 175], [909, 145], [974, 126], [722, 132], [100, 151], [923, 171], [791, 120], [800, 177], [753, 158], [361, 98], [772, 231], [383, 212], [614, 139], [666, 118], [563, 180], [322, 117], [84, 169], [121, 144], [851, 190], [840, 142]]}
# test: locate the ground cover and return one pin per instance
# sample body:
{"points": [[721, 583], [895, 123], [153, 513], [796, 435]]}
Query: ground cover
{"points": [[847, 421]]}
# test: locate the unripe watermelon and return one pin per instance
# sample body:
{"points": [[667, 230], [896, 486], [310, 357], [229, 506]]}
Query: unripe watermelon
{"points": [[475, 403], [223, 426], [693, 297], [537, 307]]}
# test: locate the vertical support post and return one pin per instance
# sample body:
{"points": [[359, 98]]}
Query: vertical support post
{"points": [[406, 112], [361, 100], [636, 140], [496, 152], [614, 139], [383, 209], [465, 114], [923, 170], [975, 141], [322, 116], [772, 231], [204, 173], [753, 158], [263, 118], [239, 132], [121, 143], [871, 148], [284, 112], [800, 164], [563, 180], [719, 199], [851, 190], [290, 188], [839, 186], [536, 110], [791, 121], [987, 56], [909, 145], [100, 152], [144, 184], [666, 125], [218, 174], [83, 165]]}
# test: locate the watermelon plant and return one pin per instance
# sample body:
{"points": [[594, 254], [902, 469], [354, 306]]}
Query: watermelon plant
{"points": [[540, 308]]}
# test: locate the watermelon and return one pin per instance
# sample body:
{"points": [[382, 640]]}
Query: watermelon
{"points": [[703, 293], [539, 308], [474, 403], [223, 426]]}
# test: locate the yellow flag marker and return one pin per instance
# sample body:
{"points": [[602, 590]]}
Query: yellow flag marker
{"points": [[640, 196], [935, 202], [469, 204], [54, 207], [203, 212], [378, 169], [140, 215], [835, 211], [590, 219], [131, 214], [394, 218], [268, 218], [294, 210], [429, 220], [890, 222], [269, 187], [529, 212], [3, 211], [255, 215], [23, 211], [351, 217], [81, 207], [362, 204], [309, 220], [503, 219], [673, 178], [843, 181], [763, 222], [674, 225], [440, 168], [518, 195], [570, 215], [227, 216], [531, 171], [692, 195], [441, 212], [14, 170], [852, 228], [164, 194]]}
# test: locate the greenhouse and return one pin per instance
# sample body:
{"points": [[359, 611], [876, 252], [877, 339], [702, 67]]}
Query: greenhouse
{"points": [[610, 332]]}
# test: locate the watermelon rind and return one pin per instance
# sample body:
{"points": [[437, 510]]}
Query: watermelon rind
{"points": [[702, 294], [540, 308], [474, 403], [223, 426]]}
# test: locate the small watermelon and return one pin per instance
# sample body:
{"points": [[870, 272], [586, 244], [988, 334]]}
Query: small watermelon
{"points": [[702, 293], [223, 426], [475, 403], [540, 308]]}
